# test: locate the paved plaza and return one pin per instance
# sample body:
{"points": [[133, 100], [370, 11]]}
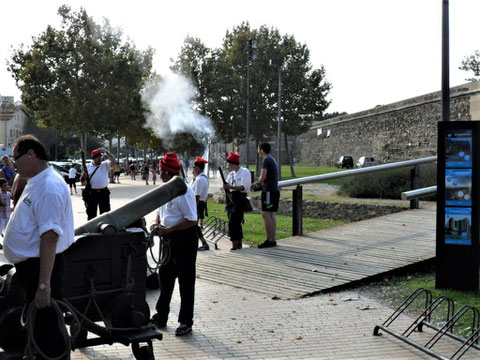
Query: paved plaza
{"points": [[233, 323]]}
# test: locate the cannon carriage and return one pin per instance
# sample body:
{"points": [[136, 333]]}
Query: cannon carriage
{"points": [[105, 283]]}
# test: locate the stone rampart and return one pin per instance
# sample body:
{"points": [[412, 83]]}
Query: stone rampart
{"points": [[398, 131]]}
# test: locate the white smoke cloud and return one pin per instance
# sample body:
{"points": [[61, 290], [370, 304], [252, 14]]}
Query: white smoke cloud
{"points": [[170, 103]]}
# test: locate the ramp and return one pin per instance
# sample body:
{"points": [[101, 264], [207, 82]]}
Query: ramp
{"points": [[303, 265]]}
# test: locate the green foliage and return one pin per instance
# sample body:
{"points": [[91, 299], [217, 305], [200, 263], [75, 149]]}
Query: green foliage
{"points": [[82, 77], [472, 63], [254, 228], [386, 184], [221, 78], [187, 145]]}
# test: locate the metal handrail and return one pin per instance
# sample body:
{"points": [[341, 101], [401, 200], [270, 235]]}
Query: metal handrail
{"points": [[419, 193], [367, 170]]}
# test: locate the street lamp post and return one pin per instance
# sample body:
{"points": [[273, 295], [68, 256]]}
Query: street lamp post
{"points": [[233, 133], [279, 62], [252, 55]]}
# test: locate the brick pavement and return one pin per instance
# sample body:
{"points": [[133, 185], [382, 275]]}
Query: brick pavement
{"points": [[232, 323]]}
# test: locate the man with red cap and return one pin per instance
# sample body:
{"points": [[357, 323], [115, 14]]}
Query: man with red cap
{"points": [[178, 220], [200, 187], [99, 175], [238, 182]]}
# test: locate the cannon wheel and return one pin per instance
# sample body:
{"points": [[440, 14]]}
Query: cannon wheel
{"points": [[143, 352]]}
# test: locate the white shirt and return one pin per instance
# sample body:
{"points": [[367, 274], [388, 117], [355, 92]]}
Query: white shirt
{"points": [[72, 173], [101, 178], [182, 207], [241, 177], [44, 205], [200, 186]]}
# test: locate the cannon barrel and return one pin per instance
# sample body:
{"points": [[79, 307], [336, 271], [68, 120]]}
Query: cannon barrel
{"points": [[137, 208]]}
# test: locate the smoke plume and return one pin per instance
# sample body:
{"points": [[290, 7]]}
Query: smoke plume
{"points": [[169, 101]]}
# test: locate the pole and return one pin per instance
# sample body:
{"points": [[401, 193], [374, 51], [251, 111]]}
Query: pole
{"points": [[247, 139], [233, 133], [279, 122], [445, 64]]}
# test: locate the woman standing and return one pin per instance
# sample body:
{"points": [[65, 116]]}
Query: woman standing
{"points": [[8, 172]]}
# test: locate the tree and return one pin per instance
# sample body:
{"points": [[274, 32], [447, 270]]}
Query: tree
{"points": [[81, 78], [222, 76], [472, 63]]}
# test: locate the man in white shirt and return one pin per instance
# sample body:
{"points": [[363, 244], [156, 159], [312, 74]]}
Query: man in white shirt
{"points": [[72, 178], [238, 183], [178, 220], [39, 231], [99, 174], [200, 187]]}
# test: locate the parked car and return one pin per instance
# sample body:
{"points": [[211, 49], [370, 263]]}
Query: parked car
{"points": [[345, 162], [62, 171], [64, 166], [365, 161]]}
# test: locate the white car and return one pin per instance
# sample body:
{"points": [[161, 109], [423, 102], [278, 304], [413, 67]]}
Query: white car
{"points": [[365, 161]]}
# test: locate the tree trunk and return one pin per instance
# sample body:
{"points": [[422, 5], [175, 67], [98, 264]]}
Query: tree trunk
{"points": [[110, 145], [118, 148], [258, 163], [144, 150], [290, 161]]}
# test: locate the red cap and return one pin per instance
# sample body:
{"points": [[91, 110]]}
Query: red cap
{"points": [[233, 158], [96, 153], [170, 163], [200, 160]]}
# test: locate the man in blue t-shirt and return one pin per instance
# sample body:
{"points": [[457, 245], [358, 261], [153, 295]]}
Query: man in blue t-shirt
{"points": [[270, 193]]}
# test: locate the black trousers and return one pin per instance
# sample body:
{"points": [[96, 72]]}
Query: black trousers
{"points": [[235, 216], [100, 198], [182, 265], [47, 335]]}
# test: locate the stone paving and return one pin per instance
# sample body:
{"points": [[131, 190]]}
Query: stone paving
{"points": [[232, 323]]}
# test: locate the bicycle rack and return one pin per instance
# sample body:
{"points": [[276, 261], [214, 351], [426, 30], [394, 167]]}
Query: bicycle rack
{"points": [[424, 319], [214, 229]]}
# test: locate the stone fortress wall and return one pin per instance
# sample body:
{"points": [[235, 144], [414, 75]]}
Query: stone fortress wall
{"points": [[399, 131]]}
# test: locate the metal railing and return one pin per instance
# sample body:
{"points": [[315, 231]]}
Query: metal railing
{"points": [[419, 193], [297, 197], [367, 170]]}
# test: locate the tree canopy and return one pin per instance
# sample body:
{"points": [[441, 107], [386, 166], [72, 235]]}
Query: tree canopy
{"points": [[472, 63], [220, 76], [82, 77]]}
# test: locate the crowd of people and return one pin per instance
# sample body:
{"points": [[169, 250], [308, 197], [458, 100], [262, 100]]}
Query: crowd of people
{"points": [[36, 222]]}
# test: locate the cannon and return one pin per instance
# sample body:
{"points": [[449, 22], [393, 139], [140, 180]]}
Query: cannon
{"points": [[105, 283]]}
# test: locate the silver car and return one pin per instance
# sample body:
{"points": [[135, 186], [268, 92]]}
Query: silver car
{"points": [[365, 161]]}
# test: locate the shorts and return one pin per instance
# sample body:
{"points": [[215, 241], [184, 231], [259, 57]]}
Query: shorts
{"points": [[201, 209], [270, 200]]}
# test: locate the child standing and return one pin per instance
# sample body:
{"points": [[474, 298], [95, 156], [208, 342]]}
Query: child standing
{"points": [[154, 175], [5, 205]]}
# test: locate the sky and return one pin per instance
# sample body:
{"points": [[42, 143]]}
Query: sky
{"points": [[375, 52]]}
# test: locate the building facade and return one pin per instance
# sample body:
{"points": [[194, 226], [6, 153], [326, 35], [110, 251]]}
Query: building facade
{"points": [[13, 120]]}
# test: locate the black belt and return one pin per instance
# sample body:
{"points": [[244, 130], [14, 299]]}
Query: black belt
{"points": [[98, 190]]}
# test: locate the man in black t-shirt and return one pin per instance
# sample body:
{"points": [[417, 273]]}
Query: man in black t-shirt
{"points": [[270, 193]]}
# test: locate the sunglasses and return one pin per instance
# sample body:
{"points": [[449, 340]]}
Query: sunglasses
{"points": [[15, 158]]}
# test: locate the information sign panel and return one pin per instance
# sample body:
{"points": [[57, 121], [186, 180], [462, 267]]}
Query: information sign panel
{"points": [[457, 205]]}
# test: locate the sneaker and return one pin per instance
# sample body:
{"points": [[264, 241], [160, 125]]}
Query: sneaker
{"points": [[158, 322], [1, 247], [204, 247], [267, 243], [183, 329]]}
